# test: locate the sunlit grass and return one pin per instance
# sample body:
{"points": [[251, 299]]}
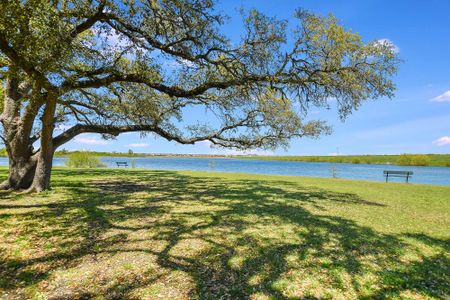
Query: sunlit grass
{"points": [[175, 235]]}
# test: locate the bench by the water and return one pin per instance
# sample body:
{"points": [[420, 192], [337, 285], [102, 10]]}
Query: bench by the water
{"points": [[405, 174], [121, 163]]}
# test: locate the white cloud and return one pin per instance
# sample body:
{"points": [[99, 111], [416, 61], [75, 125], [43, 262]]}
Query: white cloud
{"points": [[220, 151], [111, 37], [445, 97], [62, 127], [445, 140], [204, 143], [90, 140], [127, 133], [138, 145], [116, 39], [388, 42], [178, 63], [187, 63], [334, 154], [245, 152]]}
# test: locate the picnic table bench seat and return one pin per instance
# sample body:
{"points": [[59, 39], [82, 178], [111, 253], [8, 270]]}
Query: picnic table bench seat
{"points": [[121, 164], [405, 174]]}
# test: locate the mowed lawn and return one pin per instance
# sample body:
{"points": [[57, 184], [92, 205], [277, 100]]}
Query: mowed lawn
{"points": [[143, 234]]}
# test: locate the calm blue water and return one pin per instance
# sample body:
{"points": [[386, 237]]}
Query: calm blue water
{"points": [[427, 175]]}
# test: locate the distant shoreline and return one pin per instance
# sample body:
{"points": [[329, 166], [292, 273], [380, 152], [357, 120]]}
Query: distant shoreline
{"points": [[435, 160], [432, 160]]}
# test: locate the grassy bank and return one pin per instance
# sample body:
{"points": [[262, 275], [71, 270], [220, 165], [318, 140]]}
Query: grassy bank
{"points": [[437, 160], [141, 234]]}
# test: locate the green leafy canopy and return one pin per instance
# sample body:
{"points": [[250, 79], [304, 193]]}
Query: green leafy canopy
{"points": [[118, 66]]}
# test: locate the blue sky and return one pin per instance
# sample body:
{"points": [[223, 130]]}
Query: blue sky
{"points": [[416, 120]]}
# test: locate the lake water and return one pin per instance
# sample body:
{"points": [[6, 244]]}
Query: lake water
{"points": [[427, 175]]}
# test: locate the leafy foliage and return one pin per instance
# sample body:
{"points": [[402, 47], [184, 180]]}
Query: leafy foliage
{"points": [[111, 66], [120, 66], [83, 160], [413, 160]]}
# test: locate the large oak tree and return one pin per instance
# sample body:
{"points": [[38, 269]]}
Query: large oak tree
{"points": [[111, 67]]}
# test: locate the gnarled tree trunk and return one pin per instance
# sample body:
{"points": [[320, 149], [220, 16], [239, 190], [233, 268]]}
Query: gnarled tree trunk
{"points": [[17, 124], [44, 164], [21, 172]]}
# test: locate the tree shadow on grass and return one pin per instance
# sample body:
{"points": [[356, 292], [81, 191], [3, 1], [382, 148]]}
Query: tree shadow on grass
{"points": [[256, 238]]}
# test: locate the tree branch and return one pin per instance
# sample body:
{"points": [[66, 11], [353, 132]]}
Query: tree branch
{"points": [[89, 22], [214, 137], [173, 91], [115, 130], [28, 67]]}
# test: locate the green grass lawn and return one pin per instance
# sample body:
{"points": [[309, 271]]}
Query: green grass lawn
{"points": [[143, 234]]}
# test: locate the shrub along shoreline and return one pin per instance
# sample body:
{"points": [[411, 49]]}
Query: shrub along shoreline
{"points": [[405, 159], [435, 160]]}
